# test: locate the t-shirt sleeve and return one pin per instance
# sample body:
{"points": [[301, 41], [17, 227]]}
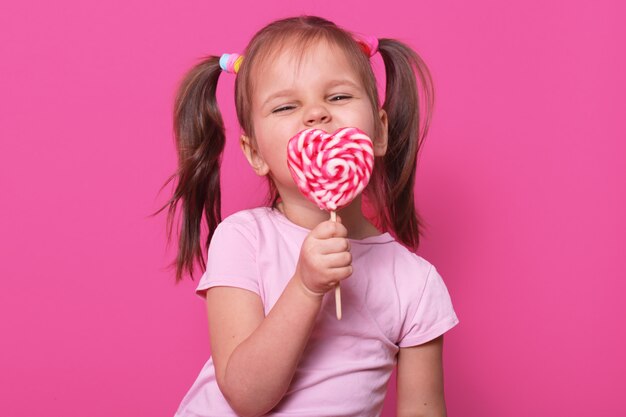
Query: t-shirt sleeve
{"points": [[231, 259], [433, 316]]}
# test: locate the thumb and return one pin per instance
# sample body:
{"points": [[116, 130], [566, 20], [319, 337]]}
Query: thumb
{"points": [[338, 218]]}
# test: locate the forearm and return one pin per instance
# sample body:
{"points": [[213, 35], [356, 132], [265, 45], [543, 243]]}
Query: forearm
{"points": [[261, 368], [441, 412]]}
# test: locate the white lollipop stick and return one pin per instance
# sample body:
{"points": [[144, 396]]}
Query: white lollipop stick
{"points": [[333, 217]]}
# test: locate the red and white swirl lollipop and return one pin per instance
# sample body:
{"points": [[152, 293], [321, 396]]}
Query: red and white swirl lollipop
{"points": [[331, 169]]}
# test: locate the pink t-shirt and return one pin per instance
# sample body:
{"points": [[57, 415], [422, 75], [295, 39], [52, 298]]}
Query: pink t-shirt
{"points": [[393, 299]]}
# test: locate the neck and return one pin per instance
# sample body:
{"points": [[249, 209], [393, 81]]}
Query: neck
{"points": [[307, 215]]}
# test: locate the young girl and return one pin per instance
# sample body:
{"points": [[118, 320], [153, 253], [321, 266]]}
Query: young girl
{"points": [[276, 345]]}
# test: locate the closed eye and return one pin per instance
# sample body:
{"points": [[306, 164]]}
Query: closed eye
{"points": [[282, 109], [340, 97]]}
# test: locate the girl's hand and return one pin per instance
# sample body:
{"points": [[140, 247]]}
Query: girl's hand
{"points": [[325, 258]]}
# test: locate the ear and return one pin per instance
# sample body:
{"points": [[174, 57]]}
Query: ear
{"points": [[380, 143], [253, 156]]}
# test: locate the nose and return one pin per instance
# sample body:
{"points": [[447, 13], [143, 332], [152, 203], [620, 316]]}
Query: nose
{"points": [[316, 115]]}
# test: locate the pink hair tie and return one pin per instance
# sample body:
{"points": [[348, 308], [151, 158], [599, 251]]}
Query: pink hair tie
{"points": [[369, 44]]}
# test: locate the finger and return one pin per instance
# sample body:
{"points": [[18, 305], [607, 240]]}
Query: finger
{"points": [[338, 274], [340, 230], [328, 229], [334, 245], [324, 230], [338, 260]]}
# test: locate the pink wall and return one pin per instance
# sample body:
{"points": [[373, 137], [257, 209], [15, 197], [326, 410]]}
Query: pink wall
{"points": [[521, 182]]}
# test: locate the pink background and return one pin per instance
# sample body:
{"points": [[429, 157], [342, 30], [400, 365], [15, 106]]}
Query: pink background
{"points": [[521, 183]]}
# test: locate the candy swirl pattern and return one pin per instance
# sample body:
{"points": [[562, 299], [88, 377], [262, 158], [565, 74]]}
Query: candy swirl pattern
{"points": [[331, 169]]}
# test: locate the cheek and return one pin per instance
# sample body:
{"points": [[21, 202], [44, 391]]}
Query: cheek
{"points": [[366, 119], [273, 149]]}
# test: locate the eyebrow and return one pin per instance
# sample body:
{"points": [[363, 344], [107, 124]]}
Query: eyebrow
{"points": [[331, 84]]}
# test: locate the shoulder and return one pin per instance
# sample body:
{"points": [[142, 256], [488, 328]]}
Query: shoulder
{"points": [[250, 220], [408, 265], [258, 215], [255, 224], [385, 252], [245, 217], [411, 272], [407, 271]]}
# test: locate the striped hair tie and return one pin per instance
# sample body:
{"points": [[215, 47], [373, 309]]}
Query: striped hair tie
{"points": [[231, 62]]}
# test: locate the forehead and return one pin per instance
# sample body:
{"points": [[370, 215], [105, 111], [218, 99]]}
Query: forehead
{"points": [[291, 63]]}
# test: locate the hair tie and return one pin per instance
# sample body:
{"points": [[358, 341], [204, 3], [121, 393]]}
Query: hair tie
{"points": [[231, 63], [369, 44]]}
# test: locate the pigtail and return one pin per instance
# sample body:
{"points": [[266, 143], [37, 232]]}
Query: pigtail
{"points": [[409, 115], [200, 137]]}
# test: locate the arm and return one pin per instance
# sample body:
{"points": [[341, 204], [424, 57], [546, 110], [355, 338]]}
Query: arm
{"points": [[255, 357], [420, 380]]}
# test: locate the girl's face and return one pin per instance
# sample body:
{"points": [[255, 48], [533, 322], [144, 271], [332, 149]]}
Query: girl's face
{"points": [[322, 91]]}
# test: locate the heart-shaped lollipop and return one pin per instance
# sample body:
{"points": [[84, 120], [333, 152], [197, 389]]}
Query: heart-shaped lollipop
{"points": [[331, 169]]}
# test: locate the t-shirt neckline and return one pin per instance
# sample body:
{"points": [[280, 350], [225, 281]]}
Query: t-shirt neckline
{"points": [[381, 238]]}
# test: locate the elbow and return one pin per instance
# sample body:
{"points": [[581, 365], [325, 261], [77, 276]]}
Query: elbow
{"points": [[239, 402], [244, 407], [240, 405], [244, 411], [244, 402]]}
